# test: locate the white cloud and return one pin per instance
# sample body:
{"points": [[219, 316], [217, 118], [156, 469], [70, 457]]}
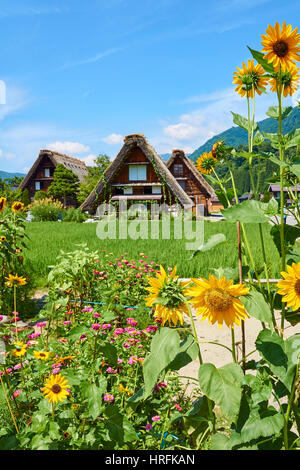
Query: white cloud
{"points": [[89, 160], [15, 99], [69, 147], [113, 139], [181, 131], [7, 155], [91, 60], [192, 129]]}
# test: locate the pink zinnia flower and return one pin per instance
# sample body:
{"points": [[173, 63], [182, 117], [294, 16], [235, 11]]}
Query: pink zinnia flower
{"points": [[148, 427], [67, 322], [96, 326], [41, 324], [155, 418], [126, 345], [118, 331], [110, 370], [106, 326], [17, 393], [178, 407], [109, 398]]}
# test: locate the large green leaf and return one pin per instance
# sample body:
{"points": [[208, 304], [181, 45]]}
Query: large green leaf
{"points": [[257, 307], [281, 355], [259, 57], [262, 423], [273, 112], [213, 241], [110, 352], [291, 233], [242, 122], [223, 386], [187, 353], [77, 332], [119, 428], [250, 211], [165, 346], [93, 395]]}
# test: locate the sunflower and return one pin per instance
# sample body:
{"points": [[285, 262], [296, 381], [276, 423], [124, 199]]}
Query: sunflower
{"points": [[281, 46], [289, 81], [168, 296], [289, 287], [20, 349], [65, 359], [15, 280], [55, 388], [250, 79], [17, 206], [43, 355], [206, 163], [2, 203], [216, 299], [2, 238], [125, 390]]}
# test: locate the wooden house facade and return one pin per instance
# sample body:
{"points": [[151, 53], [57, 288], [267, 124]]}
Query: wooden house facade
{"points": [[192, 182], [138, 174], [41, 174]]}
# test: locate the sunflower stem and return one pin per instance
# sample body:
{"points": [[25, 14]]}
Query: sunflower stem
{"points": [[233, 345], [8, 404], [194, 331], [281, 154]]}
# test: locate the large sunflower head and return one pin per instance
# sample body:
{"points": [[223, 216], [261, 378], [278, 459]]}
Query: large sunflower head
{"points": [[167, 294], [289, 82], [55, 388], [217, 300], [250, 79], [281, 46], [43, 355], [206, 163], [2, 203], [17, 206], [15, 280], [20, 349], [289, 287]]}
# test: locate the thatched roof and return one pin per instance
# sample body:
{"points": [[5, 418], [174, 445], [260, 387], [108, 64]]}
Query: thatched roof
{"points": [[78, 167], [191, 166], [130, 142]]}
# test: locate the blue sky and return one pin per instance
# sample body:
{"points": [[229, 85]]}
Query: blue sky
{"points": [[80, 76]]}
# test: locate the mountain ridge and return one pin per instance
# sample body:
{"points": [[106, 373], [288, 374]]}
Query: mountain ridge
{"points": [[235, 136]]}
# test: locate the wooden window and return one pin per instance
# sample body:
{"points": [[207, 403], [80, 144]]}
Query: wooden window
{"points": [[156, 189], [137, 172], [47, 172], [128, 190], [178, 170], [37, 186]]}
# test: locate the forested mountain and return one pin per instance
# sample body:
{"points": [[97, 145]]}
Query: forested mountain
{"points": [[236, 136]]}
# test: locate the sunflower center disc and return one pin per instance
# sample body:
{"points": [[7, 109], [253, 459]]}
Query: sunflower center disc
{"points": [[297, 286], [281, 48], [56, 388], [218, 299]]}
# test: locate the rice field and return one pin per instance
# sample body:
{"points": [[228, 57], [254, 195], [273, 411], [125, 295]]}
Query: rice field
{"points": [[47, 239]]}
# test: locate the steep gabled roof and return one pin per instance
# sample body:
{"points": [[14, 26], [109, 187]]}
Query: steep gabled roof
{"points": [[191, 166], [77, 166], [131, 142]]}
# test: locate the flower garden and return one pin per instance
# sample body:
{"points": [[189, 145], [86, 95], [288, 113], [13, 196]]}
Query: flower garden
{"points": [[101, 368]]}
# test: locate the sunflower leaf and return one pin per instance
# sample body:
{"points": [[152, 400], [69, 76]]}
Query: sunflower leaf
{"points": [[223, 386], [243, 122], [273, 112], [259, 57], [165, 345], [257, 307]]}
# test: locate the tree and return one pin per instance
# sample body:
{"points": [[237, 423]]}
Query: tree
{"points": [[93, 177], [25, 198], [65, 184]]}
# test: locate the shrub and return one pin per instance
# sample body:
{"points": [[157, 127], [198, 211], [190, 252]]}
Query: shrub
{"points": [[40, 195], [74, 215], [46, 210]]}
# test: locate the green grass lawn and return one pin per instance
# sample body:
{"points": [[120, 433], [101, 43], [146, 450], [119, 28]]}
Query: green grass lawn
{"points": [[47, 239]]}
